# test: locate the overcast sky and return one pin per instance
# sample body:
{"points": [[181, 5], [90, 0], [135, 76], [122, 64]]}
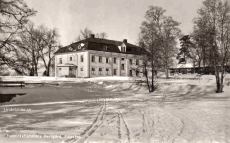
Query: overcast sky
{"points": [[120, 19]]}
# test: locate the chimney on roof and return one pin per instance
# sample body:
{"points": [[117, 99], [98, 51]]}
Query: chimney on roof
{"points": [[92, 36], [125, 40]]}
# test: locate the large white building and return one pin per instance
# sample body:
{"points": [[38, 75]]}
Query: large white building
{"points": [[94, 57]]}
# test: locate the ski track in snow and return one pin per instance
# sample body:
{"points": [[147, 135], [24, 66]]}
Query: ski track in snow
{"points": [[93, 127], [149, 120], [152, 124], [124, 124]]}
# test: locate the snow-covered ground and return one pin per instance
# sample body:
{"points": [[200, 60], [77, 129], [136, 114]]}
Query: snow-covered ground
{"points": [[123, 111], [33, 79]]}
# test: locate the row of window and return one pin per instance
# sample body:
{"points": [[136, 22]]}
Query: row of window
{"points": [[131, 72], [100, 60], [70, 59], [137, 72], [107, 71], [114, 60], [100, 71]]}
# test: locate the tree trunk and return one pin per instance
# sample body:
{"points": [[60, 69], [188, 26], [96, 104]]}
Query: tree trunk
{"points": [[194, 68], [146, 76], [152, 85], [219, 82], [167, 73], [48, 69], [36, 71], [204, 60], [218, 85], [48, 72], [199, 65], [31, 72], [222, 78]]}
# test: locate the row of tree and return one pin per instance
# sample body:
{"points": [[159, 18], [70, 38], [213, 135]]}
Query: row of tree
{"points": [[207, 46], [24, 47], [209, 43], [86, 33], [22, 44]]}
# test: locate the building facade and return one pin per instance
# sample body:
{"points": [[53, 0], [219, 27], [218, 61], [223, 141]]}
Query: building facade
{"points": [[94, 57]]}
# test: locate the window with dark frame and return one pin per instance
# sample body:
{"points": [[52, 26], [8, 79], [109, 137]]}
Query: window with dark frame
{"points": [[137, 72], [100, 71], [93, 58], [93, 71], [130, 72], [70, 58], [123, 48], [82, 58], [137, 62], [60, 61], [122, 59], [100, 59], [122, 66], [114, 71], [107, 60], [81, 69], [130, 61], [115, 60], [107, 71]]}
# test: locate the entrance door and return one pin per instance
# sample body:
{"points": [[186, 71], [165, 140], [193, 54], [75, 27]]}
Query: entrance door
{"points": [[72, 72], [130, 73]]}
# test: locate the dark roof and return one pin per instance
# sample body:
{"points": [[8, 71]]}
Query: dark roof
{"points": [[101, 45]]}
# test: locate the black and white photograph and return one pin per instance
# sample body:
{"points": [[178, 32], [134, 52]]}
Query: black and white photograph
{"points": [[114, 71]]}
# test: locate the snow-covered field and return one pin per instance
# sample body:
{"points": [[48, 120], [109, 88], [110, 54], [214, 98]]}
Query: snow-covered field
{"points": [[117, 110]]}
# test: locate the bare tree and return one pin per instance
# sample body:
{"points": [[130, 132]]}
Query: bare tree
{"points": [[47, 42], [168, 34], [30, 46], [158, 36], [201, 38], [14, 15], [86, 33], [148, 65], [19, 59], [102, 35], [214, 21]]}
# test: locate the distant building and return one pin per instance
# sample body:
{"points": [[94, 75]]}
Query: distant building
{"points": [[190, 69], [94, 57]]}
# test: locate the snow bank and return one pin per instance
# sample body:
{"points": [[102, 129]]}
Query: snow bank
{"points": [[29, 79], [110, 78]]}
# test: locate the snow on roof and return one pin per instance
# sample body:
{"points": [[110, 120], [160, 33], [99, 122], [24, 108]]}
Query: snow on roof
{"points": [[188, 65]]}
